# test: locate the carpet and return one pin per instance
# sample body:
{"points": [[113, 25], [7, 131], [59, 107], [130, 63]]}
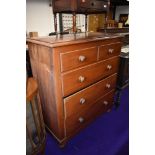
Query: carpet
{"points": [[107, 135]]}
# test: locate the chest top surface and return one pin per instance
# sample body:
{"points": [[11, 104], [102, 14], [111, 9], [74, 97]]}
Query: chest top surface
{"points": [[68, 39]]}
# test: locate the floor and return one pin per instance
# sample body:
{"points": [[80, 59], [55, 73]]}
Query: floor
{"points": [[107, 135]]}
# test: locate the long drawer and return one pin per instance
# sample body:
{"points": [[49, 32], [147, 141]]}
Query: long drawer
{"points": [[80, 78], [86, 97], [81, 119], [110, 50], [74, 59]]}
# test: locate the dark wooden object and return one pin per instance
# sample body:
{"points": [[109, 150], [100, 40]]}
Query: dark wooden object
{"points": [[121, 31], [114, 30], [123, 76], [35, 129], [86, 23], [55, 22], [75, 70], [28, 64], [123, 69], [80, 6]]}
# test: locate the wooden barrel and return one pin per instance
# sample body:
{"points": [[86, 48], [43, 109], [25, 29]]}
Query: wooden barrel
{"points": [[35, 128]]}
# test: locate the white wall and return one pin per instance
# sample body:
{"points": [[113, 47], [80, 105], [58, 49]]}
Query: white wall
{"points": [[39, 17], [121, 10]]}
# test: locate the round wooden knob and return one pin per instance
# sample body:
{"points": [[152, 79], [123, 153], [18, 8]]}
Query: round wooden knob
{"points": [[105, 103], [81, 78], [82, 58], [82, 100], [111, 50], [108, 85], [109, 67], [81, 119]]}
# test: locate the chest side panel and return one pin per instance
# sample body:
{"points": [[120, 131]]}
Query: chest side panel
{"points": [[42, 63]]}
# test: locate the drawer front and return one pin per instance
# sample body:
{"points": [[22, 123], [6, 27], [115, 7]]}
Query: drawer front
{"points": [[92, 6], [85, 98], [78, 58], [78, 79], [81, 119], [108, 51], [61, 5]]}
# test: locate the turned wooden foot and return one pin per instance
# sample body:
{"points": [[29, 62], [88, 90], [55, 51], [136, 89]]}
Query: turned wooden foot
{"points": [[63, 144]]}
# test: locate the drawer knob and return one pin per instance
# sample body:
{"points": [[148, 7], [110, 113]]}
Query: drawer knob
{"points": [[81, 119], [82, 58], [81, 78], [108, 85], [104, 6], [82, 100], [111, 50], [105, 103], [109, 67]]}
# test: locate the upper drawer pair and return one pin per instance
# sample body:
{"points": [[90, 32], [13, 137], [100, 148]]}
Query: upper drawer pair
{"points": [[82, 57]]}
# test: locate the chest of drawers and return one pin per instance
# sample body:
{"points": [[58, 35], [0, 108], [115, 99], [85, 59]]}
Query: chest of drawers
{"points": [[77, 79]]}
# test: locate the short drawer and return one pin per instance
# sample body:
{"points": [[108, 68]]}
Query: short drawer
{"points": [[75, 80], [110, 50], [78, 58], [81, 119], [86, 97]]}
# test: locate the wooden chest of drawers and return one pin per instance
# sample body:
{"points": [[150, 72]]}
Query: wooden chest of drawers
{"points": [[77, 78]]}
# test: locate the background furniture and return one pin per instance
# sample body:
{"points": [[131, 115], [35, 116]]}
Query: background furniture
{"points": [[66, 22], [33, 34], [35, 129], [111, 23], [123, 18], [123, 74], [120, 31], [95, 21], [101, 13], [124, 69], [28, 64], [77, 76], [79, 7]]}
